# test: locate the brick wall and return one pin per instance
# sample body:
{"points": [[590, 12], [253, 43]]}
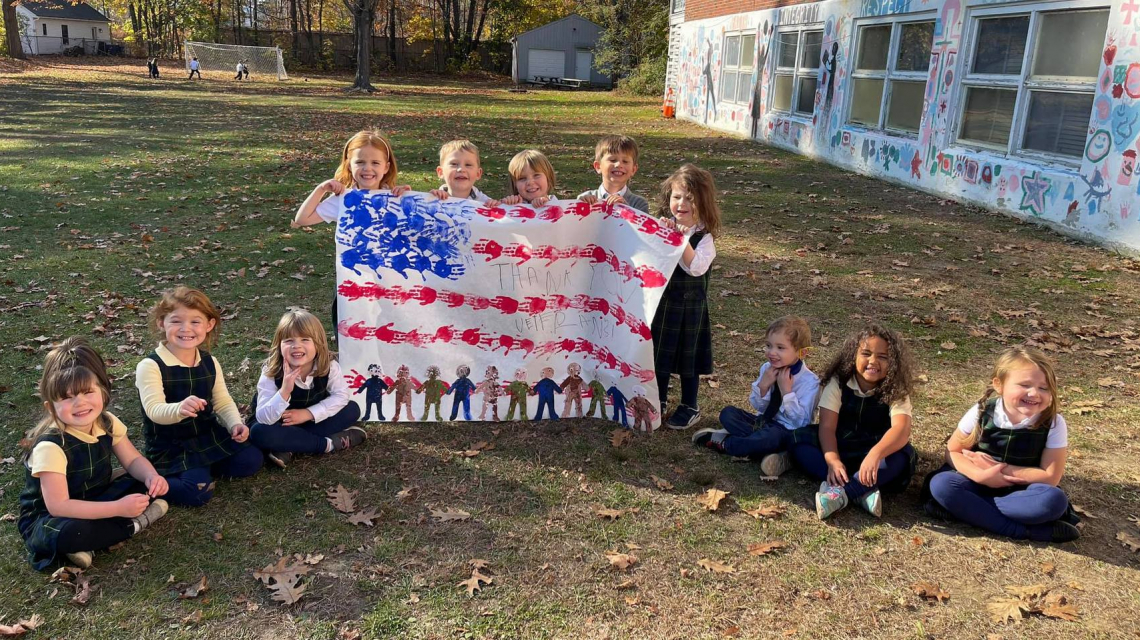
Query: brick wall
{"points": [[698, 9]]}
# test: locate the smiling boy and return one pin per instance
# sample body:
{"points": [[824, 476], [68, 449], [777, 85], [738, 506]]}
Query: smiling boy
{"points": [[615, 160], [459, 169]]}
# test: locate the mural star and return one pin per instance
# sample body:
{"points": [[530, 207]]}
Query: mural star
{"points": [[1033, 190]]}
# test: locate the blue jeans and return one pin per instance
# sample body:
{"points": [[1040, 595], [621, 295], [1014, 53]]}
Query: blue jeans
{"points": [[1015, 512], [747, 438], [309, 437], [810, 458], [195, 487]]}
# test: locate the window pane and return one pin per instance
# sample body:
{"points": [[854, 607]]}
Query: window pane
{"points": [[782, 100], [747, 50], [1001, 45], [989, 115], [805, 100], [1082, 33], [728, 86], [788, 49], [1058, 122], [732, 51], [866, 100], [809, 59], [743, 87], [874, 43], [914, 46], [905, 109]]}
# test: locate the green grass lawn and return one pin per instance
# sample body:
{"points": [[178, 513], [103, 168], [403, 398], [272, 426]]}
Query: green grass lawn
{"points": [[113, 188]]}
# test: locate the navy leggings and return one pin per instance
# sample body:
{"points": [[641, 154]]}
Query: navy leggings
{"points": [[810, 458], [77, 534], [195, 487], [304, 438], [1023, 512], [689, 387], [746, 438]]}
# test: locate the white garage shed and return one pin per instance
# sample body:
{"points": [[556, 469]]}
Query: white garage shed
{"points": [[561, 50]]}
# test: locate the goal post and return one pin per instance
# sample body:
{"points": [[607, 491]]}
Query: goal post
{"points": [[261, 61]]}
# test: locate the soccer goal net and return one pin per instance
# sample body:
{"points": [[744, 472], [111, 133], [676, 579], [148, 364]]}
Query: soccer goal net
{"points": [[261, 61]]}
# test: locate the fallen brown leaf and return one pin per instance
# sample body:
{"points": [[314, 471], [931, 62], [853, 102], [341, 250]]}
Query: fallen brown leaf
{"points": [[715, 566], [766, 512], [930, 591], [450, 514], [82, 591], [194, 590], [21, 627], [711, 499], [1129, 541], [764, 548], [621, 561], [1003, 609], [287, 593], [621, 437], [1057, 606], [281, 571], [1028, 592], [662, 483], [609, 514], [342, 499]]}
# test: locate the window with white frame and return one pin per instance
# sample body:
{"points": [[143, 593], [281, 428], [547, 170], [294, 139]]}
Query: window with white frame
{"points": [[892, 60], [678, 6], [797, 71], [1029, 82], [736, 68]]}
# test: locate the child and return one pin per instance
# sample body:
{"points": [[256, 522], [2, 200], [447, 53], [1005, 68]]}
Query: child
{"points": [[531, 179], [682, 336], [240, 66], [194, 68], [302, 401], [615, 160], [70, 505], [1008, 455], [192, 426], [459, 169], [862, 444], [784, 395]]}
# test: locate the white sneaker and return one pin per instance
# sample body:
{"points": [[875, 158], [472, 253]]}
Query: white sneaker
{"points": [[774, 464], [82, 559], [872, 503]]}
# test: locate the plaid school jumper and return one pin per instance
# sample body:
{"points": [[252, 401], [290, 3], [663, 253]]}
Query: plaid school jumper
{"points": [[300, 398], [682, 333], [88, 476], [1020, 447], [194, 442]]}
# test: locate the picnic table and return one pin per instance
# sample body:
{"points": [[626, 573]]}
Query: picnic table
{"points": [[559, 82]]}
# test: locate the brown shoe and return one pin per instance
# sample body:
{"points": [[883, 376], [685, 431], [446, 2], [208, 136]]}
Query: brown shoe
{"points": [[348, 438]]}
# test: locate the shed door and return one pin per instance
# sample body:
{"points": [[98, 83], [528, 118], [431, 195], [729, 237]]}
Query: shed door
{"points": [[546, 62], [583, 61]]}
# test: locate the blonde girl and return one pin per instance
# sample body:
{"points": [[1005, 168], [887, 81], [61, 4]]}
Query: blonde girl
{"points": [[302, 401], [862, 443], [682, 336], [531, 179], [192, 426], [366, 164], [70, 505], [1007, 456]]}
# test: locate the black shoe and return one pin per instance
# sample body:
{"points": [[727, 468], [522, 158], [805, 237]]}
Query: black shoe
{"points": [[1070, 516], [1064, 532], [936, 510], [281, 458], [350, 437], [684, 417]]}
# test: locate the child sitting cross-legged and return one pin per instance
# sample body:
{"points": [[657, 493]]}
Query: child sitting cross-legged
{"points": [[863, 440], [302, 401], [784, 395]]}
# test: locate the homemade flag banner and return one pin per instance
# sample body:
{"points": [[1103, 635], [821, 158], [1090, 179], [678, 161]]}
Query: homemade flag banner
{"points": [[451, 310]]}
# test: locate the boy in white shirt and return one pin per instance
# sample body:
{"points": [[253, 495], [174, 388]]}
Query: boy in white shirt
{"points": [[459, 169], [615, 160], [194, 68]]}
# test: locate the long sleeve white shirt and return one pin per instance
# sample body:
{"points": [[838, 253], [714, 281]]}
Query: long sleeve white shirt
{"points": [[271, 406], [797, 406]]}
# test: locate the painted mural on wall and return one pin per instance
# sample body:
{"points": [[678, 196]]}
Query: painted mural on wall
{"points": [[1100, 198]]}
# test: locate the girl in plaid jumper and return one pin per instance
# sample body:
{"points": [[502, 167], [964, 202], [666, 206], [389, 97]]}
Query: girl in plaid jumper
{"points": [[682, 333]]}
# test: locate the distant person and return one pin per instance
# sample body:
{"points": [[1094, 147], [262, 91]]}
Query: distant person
{"points": [[245, 70], [194, 68], [240, 67], [152, 67]]}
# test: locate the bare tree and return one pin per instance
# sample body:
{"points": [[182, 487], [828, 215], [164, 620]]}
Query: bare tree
{"points": [[363, 17]]}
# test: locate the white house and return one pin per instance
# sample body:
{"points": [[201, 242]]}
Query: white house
{"points": [[54, 26]]}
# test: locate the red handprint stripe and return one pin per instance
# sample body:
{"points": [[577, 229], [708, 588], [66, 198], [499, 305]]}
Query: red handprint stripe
{"points": [[554, 212], [650, 277], [485, 341], [531, 305]]}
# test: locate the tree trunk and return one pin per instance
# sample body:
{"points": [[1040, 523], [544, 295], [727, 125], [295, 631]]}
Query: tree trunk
{"points": [[392, 34], [363, 14], [12, 31], [293, 29]]}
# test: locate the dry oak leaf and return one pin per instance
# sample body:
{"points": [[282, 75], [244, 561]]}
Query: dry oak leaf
{"points": [[1058, 606], [621, 437], [1027, 593], [1084, 512], [1003, 609], [472, 584], [282, 571], [1128, 540], [948, 345], [766, 512], [314, 558], [287, 592], [478, 564], [711, 499], [610, 514], [764, 548], [450, 514], [662, 483], [21, 627], [82, 591], [342, 499], [364, 517], [194, 590], [715, 566], [405, 494], [930, 591], [621, 561]]}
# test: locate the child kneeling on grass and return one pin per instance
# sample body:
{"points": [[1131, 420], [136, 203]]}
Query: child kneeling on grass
{"points": [[863, 440]]}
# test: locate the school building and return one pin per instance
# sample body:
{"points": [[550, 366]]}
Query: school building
{"points": [[1028, 108]]}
